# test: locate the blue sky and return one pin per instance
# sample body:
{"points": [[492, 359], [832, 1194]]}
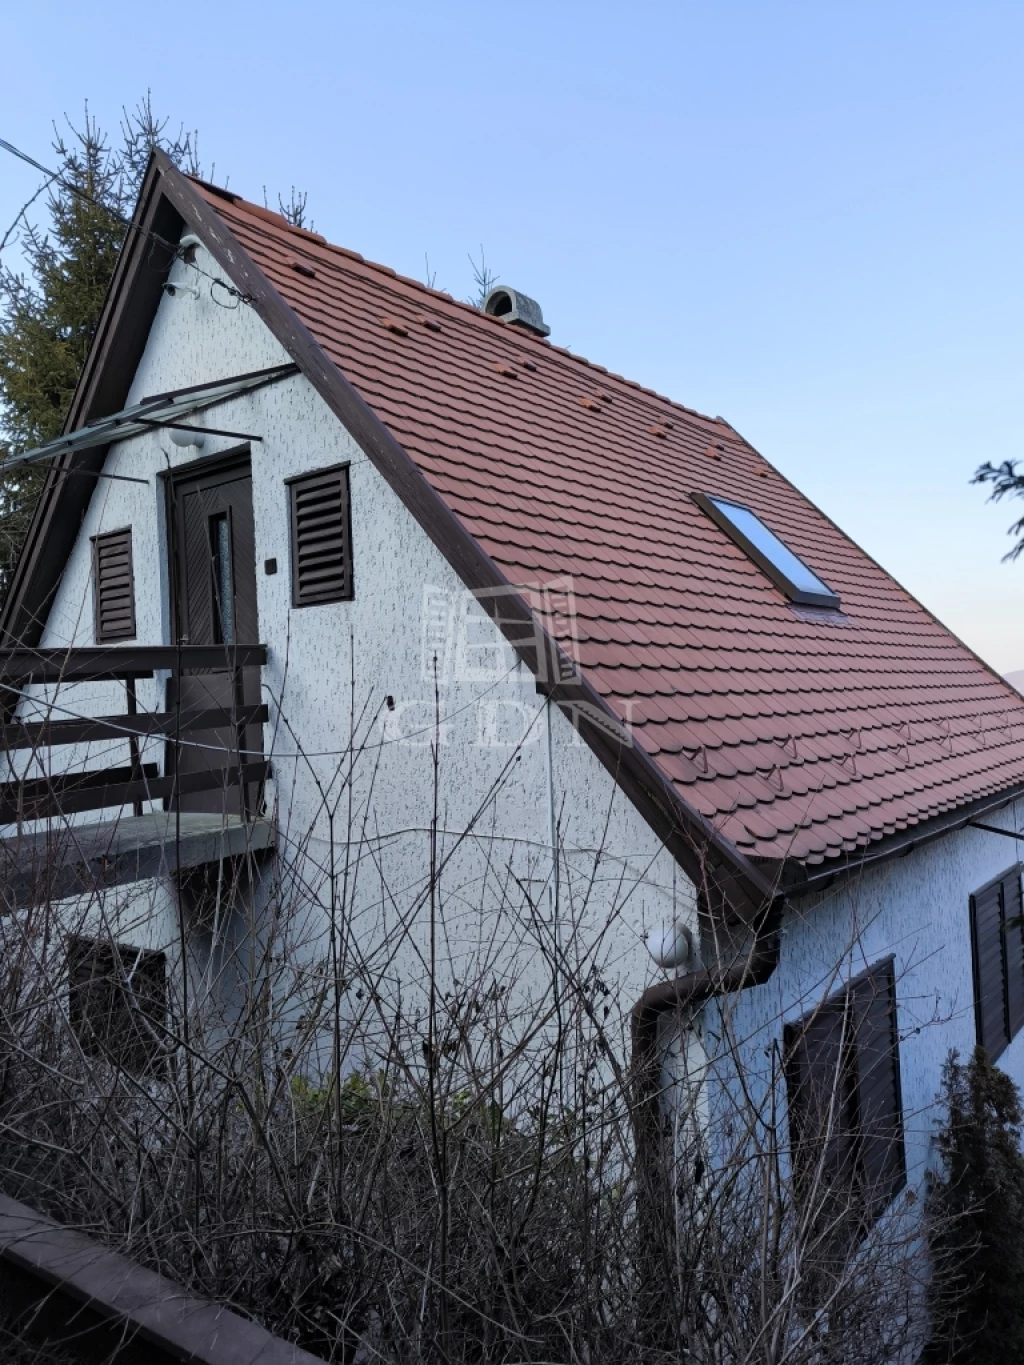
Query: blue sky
{"points": [[805, 217]]}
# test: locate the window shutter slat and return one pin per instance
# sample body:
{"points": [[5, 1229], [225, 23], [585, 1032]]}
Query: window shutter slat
{"points": [[873, 1001], [845, 1119], [321, 538], [1013, 936], [117, 1003], [818, 1098], [989, 969], [113, 586]]}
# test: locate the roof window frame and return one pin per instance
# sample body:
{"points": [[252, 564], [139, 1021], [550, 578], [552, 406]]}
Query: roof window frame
{"points": [[712, 505]]}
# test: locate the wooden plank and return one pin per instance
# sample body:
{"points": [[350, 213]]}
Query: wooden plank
{"points": [[44, 734], [37, 798], [65, 1286], [94, 663], [63, 860], [43, 798]]}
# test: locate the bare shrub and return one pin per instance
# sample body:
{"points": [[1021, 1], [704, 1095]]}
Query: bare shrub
{"points": [[403, 1127]]}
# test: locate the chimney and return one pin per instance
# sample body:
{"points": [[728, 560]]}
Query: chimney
{"points": [[511, 306]]}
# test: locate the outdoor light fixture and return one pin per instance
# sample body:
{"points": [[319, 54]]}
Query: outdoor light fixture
{"points": [[183, 437], [672, 946], [175, 289]]}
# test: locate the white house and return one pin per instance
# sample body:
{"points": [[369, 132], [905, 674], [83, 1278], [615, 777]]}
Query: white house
{"points": [[697, 722]]}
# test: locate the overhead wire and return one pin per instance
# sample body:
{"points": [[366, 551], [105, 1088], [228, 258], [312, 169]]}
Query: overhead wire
{"points": [[130, 225]]}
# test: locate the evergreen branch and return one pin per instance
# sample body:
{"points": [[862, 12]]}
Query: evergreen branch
{"points": [[23, 211], [1004, 481]]}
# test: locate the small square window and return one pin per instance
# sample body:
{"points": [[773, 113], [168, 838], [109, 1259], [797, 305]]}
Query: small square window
{"points": [[787, 570], [117, 1003]]}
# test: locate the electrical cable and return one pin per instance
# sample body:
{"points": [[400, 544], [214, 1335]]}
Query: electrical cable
{"points": [[129, 224], [54, 175]]}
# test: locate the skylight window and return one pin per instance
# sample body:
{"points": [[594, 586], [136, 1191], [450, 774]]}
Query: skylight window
{"points": [[783, 567]]}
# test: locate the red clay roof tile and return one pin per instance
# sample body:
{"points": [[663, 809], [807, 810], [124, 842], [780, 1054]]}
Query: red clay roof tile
{"points": [[799, 733]]}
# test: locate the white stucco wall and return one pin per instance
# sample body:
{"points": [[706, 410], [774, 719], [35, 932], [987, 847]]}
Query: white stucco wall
{"points": [[328, 664], [331, 663], [915, 908]]}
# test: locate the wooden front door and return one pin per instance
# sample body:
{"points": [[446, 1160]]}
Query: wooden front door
{"points": [[213, 544]]}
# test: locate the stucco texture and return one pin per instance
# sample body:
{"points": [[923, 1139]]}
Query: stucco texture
{"points": [[378, 729], [385, 734]]}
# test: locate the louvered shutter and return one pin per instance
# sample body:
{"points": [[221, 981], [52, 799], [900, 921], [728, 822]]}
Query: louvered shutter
{"points": [[818, 1086], [989, 968], [1013, 940], [879, 1120], [321, 538], [113, 586]]}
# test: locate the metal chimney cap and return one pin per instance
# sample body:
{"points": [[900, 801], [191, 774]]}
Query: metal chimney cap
{"points": [[512, 306]]}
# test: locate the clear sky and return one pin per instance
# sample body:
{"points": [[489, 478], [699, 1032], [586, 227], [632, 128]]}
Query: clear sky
{"points": [[805, 217]]}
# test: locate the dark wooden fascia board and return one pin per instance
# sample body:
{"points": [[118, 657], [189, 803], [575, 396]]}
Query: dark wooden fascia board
{"points": [[125, 322], [106, 378], [711, 861]]}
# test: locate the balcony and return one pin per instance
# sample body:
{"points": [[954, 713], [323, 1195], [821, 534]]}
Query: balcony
{"points": [[200, 803]]}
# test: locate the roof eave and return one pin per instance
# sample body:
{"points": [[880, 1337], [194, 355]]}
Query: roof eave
{"points": [[796, 879]]}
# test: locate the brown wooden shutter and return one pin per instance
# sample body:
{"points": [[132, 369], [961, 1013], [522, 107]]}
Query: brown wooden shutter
{"points": [[818, 1085], [879, 1118], [321, 537], [845, 1119], [989, 969], [113, 577], [1013, 941]]}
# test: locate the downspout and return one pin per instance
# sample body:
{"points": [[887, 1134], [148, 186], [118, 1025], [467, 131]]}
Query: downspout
{"points": [[552, 827], [751, 966]]}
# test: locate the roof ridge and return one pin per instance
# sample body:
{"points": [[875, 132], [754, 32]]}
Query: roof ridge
{"points": [[278, 220]]}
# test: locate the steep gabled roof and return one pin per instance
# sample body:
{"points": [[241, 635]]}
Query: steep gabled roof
{"points": [[773, 734]]}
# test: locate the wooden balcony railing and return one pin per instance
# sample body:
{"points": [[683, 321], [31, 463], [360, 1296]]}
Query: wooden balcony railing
{"points": [[230, 761]]}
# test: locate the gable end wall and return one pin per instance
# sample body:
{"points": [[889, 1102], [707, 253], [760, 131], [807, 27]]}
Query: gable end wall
{"points": [[331, 662]]}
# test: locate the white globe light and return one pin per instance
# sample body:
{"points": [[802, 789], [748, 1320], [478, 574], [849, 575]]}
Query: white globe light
{"points": [[671, 947], [183, 438]]}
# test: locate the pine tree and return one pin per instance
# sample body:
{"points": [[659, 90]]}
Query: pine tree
{"points": [[976, 1209], [49, 314]]}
